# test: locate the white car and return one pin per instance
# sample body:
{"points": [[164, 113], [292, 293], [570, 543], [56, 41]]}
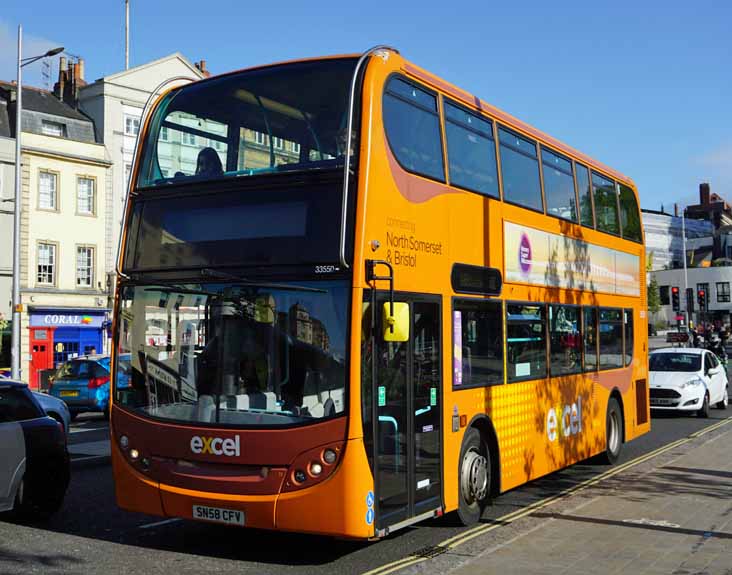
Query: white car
{"points": [[687, 379]]}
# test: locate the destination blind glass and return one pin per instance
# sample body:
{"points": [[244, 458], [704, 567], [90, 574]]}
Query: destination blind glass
{"points": [[258, 227]]}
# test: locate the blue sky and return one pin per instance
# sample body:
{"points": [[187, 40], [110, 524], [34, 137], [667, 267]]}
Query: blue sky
{"points": [[645, 87]]}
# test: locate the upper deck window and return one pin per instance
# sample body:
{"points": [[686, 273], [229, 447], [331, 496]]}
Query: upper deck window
{"points": [[471, 151], [584, 190], [412, 125], [558, 186], [606, 204], [629, 216], [520, 170], [288, 117]]}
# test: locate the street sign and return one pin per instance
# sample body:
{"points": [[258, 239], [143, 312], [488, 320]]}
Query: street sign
{"points": [[679, 318]]}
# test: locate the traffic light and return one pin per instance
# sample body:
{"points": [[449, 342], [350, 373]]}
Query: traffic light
{"points": [[675, 298], [690, 300], [701, 297]]}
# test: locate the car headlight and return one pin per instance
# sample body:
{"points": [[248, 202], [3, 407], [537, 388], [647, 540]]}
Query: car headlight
{"points": [[692, 383]]}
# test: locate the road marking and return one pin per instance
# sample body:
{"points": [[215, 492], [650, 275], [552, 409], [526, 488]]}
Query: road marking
{"points": [[88, 458], [76, 430], [504, 520], [159, 523]]}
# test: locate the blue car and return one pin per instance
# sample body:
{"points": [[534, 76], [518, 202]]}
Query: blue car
{"points": [[83, 384]]}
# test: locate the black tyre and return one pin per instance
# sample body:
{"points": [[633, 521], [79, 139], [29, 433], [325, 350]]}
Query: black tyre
{"points": [[474, 474], [704, 409], [614, 427], [725, 400]]}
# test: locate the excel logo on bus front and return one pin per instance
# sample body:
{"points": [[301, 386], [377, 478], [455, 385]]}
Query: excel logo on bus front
{"points": [[215, 445], [564, 421]]}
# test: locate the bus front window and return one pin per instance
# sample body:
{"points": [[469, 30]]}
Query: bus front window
{"points": [[239, 355], [279, 118]]}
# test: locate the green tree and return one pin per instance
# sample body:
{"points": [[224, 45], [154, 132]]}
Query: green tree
{"points": [[654, 297]]}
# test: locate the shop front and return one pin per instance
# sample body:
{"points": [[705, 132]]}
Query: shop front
{"points": [[58, 334]]}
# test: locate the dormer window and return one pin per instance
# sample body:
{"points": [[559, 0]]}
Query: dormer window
{"points": [[53, 129]]}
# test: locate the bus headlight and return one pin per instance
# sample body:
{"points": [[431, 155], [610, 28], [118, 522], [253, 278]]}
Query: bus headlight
{"points": [[134, 454], [329, 456], [315, 468]]}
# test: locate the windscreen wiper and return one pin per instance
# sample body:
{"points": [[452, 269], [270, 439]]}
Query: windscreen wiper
{"points": [[212, 273]]}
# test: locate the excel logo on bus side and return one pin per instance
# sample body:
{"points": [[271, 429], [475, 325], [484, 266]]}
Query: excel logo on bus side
{"points": [[215, 445], [564, 421]]}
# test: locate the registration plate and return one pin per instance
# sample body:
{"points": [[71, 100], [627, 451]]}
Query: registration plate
{"points": [[69, 393], [663, 401], [229, 516]]}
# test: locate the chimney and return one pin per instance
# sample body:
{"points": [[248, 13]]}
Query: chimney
{"points": [[201, 66], [59, 87], [81, 69], [676, 210], [704, 194]]}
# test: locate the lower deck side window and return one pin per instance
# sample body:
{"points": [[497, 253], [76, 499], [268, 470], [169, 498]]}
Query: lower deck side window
{"points": [[477, 343], [525, 341]]}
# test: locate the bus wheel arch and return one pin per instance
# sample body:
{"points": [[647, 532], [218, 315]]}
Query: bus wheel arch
{"points": [[477, 470]]}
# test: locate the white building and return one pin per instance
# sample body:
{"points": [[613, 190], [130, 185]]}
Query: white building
{"points": [[62, 236], [7, 188]]}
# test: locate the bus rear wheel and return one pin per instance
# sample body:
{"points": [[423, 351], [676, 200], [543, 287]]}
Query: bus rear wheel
{"points": [[475, 477], [613, 432]]}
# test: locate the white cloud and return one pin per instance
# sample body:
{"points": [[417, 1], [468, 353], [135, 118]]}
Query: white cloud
{"points": [[32, 46]]}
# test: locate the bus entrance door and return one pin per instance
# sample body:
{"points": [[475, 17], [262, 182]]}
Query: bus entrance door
{"points": [[407, 398]]}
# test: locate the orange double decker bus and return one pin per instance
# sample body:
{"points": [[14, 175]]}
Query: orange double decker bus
{"points": [[352, 296]]}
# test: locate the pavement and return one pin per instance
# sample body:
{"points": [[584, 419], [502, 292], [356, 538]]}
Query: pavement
{"points": [[669, 515]]}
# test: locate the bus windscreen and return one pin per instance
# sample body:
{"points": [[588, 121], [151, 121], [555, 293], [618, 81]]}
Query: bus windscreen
{"points": [[279, 118]]}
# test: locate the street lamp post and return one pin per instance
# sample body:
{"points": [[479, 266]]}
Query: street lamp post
{"points": [[15, 348]]}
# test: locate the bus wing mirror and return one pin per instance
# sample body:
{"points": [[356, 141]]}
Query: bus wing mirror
{"points": [[396, 322], [264, 309]]}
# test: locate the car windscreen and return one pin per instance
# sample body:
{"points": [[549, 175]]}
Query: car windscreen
{"points": [[73, 370], [286, 117], [690, 362]]}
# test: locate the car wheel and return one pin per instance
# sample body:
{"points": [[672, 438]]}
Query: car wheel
{"points": [[725, 400], [613, 432], [704, 410], [474, 478]]}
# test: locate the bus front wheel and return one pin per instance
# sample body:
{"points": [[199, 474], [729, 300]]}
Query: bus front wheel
{"points": [[475, 477]]}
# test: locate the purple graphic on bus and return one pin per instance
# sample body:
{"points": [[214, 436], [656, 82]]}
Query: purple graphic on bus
{"points": [[524, 254]]}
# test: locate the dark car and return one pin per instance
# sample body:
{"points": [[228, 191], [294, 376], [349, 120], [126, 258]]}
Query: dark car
{"points": [[34, 461], [83, 384]]}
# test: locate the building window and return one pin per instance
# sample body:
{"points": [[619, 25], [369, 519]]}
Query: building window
{"points": [[217, 144], [53, 129], [84, 267], [132, 125], [47, 188], [723, 292], [260, 138], [188, 139], [85, 195], [663, 292], [478, 343], [164, 133], [46, 264], [278, 143], [128, 171], [295, 147]]}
